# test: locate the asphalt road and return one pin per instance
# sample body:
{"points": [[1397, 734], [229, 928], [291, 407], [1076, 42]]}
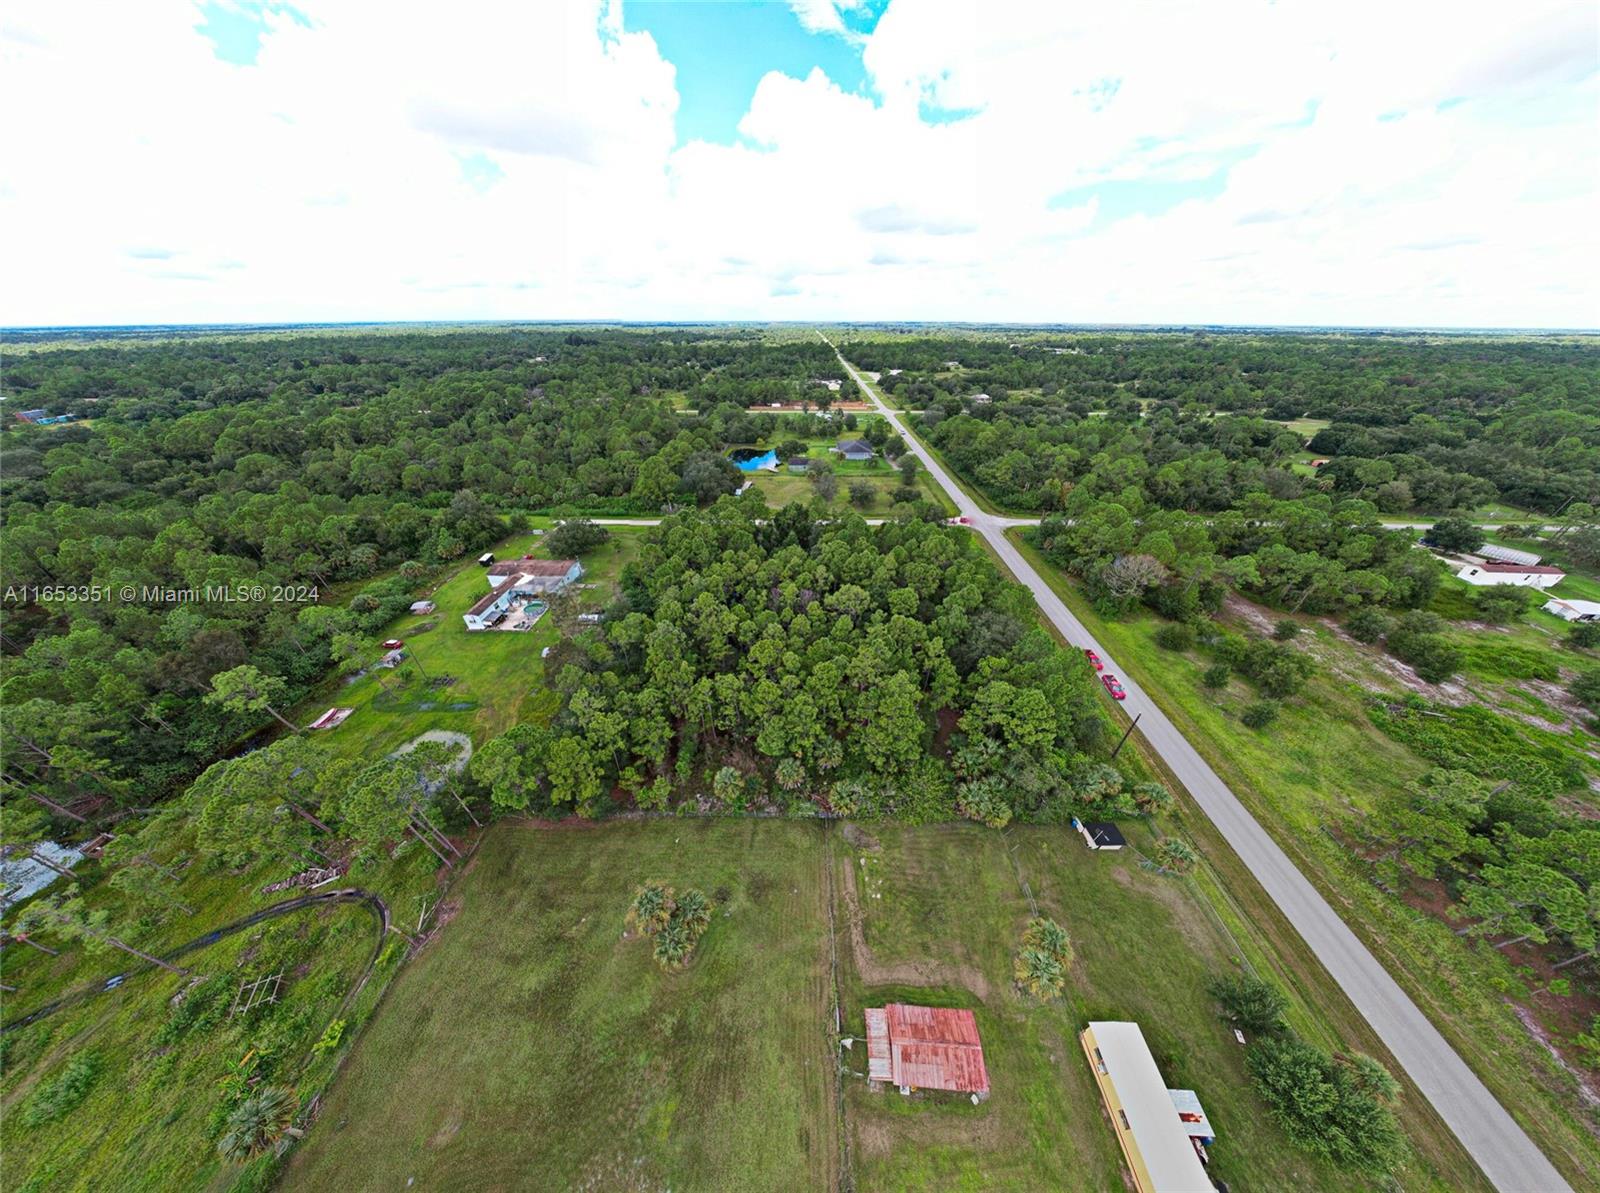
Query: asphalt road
{"points": [[1502, 1149]]}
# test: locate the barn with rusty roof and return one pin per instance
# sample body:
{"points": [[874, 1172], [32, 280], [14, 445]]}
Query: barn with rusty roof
{"points": [[925, 1048]]}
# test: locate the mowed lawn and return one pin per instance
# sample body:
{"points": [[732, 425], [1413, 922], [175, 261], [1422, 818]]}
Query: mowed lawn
{"points": [[498, 675], [941, 912], [531, 1046]]}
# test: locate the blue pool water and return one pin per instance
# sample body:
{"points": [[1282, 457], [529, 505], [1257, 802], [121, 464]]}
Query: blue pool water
{"points": [[749, 459]]}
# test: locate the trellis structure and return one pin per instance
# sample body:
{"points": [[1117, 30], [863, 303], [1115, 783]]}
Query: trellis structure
{"points": [[256, 993]]}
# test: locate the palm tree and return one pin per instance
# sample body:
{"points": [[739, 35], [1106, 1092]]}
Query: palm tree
{"points": [[695, 911], [263, 1120], [1049, 937], [652, 907], [1040, 973], [673, 945]]}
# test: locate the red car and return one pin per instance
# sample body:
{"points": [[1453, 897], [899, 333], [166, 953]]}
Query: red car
{"points": [[1113, 687], [393, 644], [1094, 660]]}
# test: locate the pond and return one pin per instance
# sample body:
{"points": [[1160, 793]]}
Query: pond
{"points": [[753, 459]]}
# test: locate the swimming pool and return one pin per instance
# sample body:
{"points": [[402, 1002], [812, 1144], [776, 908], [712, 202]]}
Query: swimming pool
{"points": [[753, 459]]}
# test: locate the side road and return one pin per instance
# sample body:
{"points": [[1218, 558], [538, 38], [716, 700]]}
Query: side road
{"points": [[1490, 1135]]}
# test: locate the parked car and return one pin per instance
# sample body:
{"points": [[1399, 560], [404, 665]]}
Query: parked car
{"points": [[1114, 687], [393, 643], [1094, 660]]}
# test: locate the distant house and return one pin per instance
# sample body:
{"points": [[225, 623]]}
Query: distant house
{"points": [[1573, 610], [798, 464], [831, 383], [421, 607], [1100, 834], [981, 399], [855, 449], [1163, 1156], [895, 372], [952, 364], [925, 1048], [1521, 575], [43, 418]]}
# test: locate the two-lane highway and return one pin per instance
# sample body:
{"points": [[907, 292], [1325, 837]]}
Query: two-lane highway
{"points": [[1502, 1149]]}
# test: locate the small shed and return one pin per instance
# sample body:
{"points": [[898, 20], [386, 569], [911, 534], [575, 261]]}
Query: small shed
{"points": [[798, 464], [421, 607], [1100, 834], [1571, 609], [334, 716], [486, 559], [916, 1047]]}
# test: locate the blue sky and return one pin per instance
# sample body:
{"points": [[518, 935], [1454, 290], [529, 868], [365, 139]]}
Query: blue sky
{"points": [[723, 49], [1238, 162]]}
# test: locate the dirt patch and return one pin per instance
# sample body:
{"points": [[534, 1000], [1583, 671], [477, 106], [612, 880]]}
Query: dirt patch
{"points": [[1586, 1090], [447, 1130], [858, 837], [903, 973], [1453, 694]]}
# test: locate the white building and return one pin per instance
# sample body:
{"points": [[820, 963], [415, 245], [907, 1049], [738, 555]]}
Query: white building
{"points": [[519, 580], [1163, 1156], [1521, 575], [1573, 610]]}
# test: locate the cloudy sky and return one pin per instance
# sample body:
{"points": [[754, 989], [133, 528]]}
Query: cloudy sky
{"points": [[1426, 162]]}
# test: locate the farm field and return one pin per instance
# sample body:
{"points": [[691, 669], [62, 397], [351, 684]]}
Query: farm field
{"points": [[532, 1038], [1322, 764], [582, 1061], [497, 675]]}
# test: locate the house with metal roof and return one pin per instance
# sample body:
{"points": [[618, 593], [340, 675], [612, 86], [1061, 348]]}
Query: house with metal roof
{"points": [[513, 585], [925, 1048], [1162, 1155], [1572, 609], [1520, 574]]}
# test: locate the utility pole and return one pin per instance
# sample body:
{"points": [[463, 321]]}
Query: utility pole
{"points": [[1125, 735]]}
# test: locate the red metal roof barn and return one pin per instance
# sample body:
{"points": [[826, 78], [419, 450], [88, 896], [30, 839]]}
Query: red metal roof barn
{"points": [[925, 1048]]}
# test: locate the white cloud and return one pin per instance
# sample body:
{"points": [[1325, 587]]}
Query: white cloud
{"points": [[1238, 162]]}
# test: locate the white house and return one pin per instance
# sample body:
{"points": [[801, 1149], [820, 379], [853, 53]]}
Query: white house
{"points": [[855, 449], [1573, 610], [519, 580], [1522, 575], [981, 399]]}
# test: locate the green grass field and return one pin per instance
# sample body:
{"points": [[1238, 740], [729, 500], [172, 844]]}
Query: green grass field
{"points": [[498, 675], [532, 1046], [534, 1037], [150, 1119], [941, 912], [1324, 758]]}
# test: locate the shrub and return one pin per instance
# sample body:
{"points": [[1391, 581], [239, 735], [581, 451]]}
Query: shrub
{"points": [[1586, 690], [1368, 625], [1250, 1003], [675, 921], [1286, 630], [259, 1122], [1042, 961], [1260, 714], [1151, 798], [1175, 635], [1328, 1108], [64, 1092], [1216, 675], [1175, 855], [1500, 603], [1584, 636], [862, 493]]}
